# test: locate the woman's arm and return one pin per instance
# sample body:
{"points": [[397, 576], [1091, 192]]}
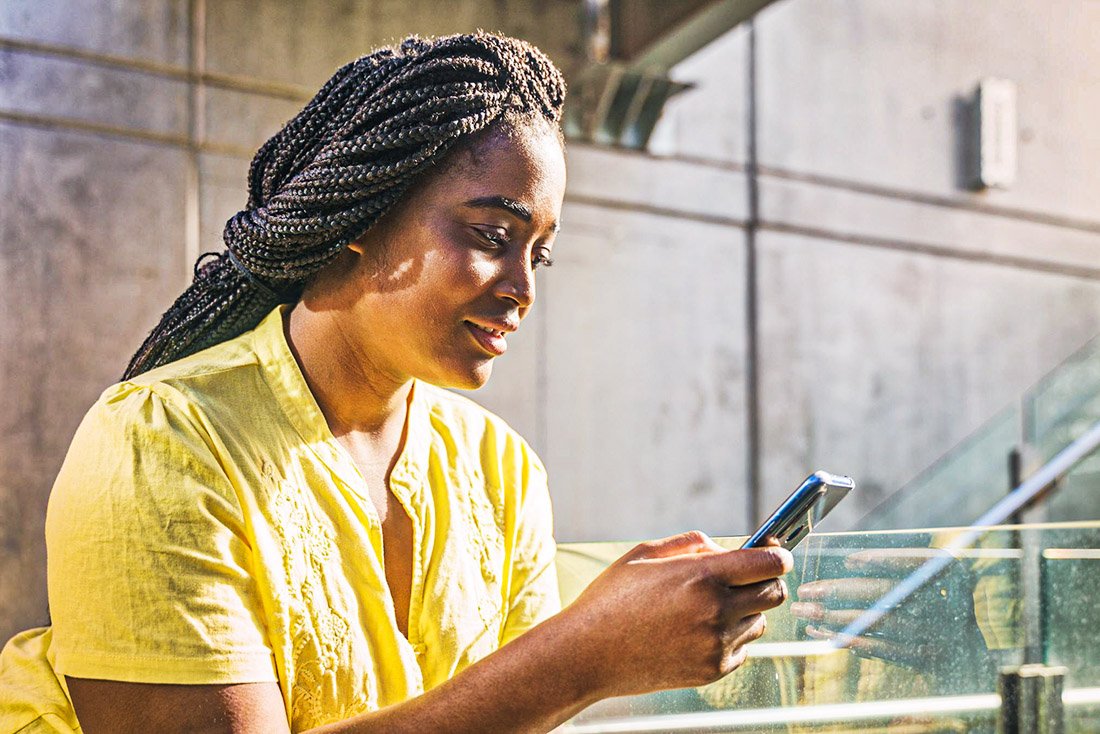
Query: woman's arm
{"points": [[670, 613], [114, 706]]}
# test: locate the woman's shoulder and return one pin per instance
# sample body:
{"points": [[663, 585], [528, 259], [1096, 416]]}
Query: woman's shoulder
{"points": [[174, 415], [148, 447], [203, 369], [190, 386]]}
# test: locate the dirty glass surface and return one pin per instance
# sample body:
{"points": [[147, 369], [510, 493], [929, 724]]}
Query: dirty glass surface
{"points": [[1058, 409], [929, 664], [1070, 618]]}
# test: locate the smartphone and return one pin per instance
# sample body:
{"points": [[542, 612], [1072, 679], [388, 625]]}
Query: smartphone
{"points": [[799, 513]]}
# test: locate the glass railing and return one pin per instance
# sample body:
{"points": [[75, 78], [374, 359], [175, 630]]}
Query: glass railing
{"points": [[1058, 409], [928, 664], [971, 477], [1070, 572], [1062, 403], [958, 487]]}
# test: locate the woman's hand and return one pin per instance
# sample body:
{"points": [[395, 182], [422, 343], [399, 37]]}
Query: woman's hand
{"points": [[673, 613]]}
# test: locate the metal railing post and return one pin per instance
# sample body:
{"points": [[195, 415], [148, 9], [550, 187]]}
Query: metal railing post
{"points": [[1031, 700]]}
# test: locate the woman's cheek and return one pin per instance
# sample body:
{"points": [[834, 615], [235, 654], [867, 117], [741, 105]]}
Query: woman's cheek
{"points": [[482, 271]]}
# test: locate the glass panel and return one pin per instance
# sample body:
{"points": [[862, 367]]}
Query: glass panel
{"points": [[1057, 411], [929, 665], [1060, 408], [1065, 403], [1070, 574], [958, 488], [1078, 494]]}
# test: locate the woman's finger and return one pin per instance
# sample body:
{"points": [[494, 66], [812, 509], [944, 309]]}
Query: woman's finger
{"points": [[743, 567], [745, 630], [835, 618], [865, 646], [759, 597], [693, 541], [808, 610]]}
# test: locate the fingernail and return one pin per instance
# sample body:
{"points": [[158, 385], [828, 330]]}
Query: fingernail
{"points": [[785, 558]]}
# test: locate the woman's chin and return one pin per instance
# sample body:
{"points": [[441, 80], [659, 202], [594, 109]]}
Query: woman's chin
{"points": [[468, 379], [480, 376]]}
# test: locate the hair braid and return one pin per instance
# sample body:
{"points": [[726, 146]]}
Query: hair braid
{"points": [[339, 165]]}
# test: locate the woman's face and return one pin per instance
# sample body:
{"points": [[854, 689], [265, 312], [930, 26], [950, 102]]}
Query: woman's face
{"points": [[435, 288]]}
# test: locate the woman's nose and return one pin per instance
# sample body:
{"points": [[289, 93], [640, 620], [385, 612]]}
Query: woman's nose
{"points": [[517, 284]]}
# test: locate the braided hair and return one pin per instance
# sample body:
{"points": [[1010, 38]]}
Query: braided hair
{"points": [[340, 164]]}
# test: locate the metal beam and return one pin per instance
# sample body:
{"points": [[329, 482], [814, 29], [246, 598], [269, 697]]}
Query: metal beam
{"points": [[695, 32]]}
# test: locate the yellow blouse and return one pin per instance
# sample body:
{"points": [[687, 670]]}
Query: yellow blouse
{"points": [[206, 527]]}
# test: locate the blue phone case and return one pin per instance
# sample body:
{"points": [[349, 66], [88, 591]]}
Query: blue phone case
{"points": [[799, 513]]}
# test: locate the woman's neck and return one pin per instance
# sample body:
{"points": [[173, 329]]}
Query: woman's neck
{"points": [[354, 397]]}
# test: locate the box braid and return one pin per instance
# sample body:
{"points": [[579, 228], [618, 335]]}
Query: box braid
{"points": [[340, 164]]}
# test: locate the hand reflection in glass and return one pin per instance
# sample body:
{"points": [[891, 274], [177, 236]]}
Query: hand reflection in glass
{"points": [[933, 632]]}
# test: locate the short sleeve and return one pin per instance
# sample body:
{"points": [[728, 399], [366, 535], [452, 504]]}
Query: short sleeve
{"points": [[148, 555], [534, 588]]}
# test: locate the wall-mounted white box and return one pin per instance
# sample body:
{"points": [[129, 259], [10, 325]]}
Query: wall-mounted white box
{"points": [[997, 132]]}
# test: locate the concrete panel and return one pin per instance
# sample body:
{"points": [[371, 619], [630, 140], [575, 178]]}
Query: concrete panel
{"points": [[876, 92], [223, 191], [845, 213], [709, 121], [303, 43], [645, 376], [300, 43], [151, 30], [875, 362], [92, 235], [554, 26], [32, 84], [612, 177], [244, 121]]}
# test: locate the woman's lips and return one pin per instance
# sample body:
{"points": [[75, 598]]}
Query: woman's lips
{"points": [[491, 340]]}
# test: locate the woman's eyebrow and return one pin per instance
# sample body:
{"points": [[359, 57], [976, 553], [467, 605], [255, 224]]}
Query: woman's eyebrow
{"points": [[516, 208], [502, 202]]}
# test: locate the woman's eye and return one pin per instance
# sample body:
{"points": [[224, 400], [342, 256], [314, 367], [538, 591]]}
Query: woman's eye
{"points": [[497, 238], [542, 260]]}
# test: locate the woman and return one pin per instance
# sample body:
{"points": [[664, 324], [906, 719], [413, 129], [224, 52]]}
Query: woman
{"points": [[280, 522]]}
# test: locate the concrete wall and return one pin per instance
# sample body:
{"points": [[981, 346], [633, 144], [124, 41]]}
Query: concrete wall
{"points": [[931, 306], [894, 309]]}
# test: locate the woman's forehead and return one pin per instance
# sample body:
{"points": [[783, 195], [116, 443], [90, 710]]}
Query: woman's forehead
{"points": [[527, 167]]}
